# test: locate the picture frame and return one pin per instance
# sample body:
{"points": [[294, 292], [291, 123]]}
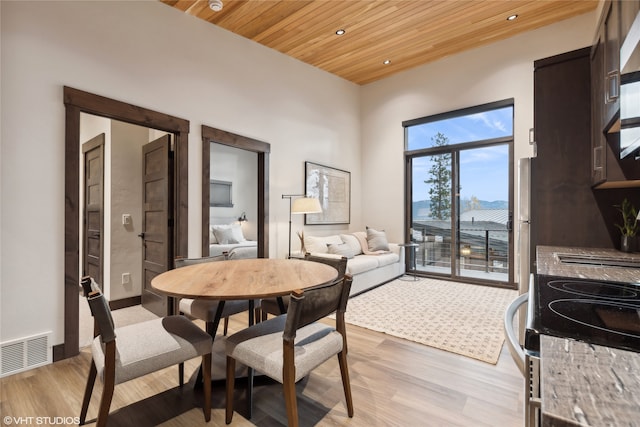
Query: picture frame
{"points": [[332, 187]]}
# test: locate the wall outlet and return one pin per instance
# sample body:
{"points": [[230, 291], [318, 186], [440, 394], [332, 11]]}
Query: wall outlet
{"points": [[126, 278]]}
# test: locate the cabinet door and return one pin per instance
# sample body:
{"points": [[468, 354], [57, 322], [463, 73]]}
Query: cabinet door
{"points": [[598, 141], [611, 63]]}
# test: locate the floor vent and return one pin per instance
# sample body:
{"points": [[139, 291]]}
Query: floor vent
{"points": [[24, 354]]}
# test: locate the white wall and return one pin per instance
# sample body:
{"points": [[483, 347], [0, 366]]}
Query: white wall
{"points": [[147, 54], [495, 72]]}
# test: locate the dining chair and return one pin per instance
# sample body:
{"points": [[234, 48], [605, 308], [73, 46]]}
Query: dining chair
{"points": [[288, 347], [207, 310], [272, 305], [125, 353]]}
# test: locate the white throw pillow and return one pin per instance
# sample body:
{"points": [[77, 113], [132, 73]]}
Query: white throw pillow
{"points": [[229, 233], [224, 235], [237, 233], [319, 245], [377, 240], [353, 242], [212, 236], [341, 249]]}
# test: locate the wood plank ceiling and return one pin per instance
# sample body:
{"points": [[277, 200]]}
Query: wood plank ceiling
{"points": [[406, 32]]}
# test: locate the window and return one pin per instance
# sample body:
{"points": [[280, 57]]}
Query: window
{"points": [[221, 194], [458, 188]]}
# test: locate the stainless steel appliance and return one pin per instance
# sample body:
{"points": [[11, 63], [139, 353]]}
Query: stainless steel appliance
{"points": [[528, 361], [523, 255]]}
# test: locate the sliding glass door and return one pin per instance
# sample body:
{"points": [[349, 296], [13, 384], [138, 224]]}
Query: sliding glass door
{"points": [[460, 208]]}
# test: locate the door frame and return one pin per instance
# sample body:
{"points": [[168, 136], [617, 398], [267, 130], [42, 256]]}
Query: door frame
{"points": [[77, 101], [263, 149]]}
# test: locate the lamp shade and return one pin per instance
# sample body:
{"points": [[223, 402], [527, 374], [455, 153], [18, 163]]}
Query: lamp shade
{"points": [[305, 205]]}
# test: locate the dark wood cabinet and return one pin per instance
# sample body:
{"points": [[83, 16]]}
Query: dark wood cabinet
{"points": [[607, 169], [611, 32], [564, 209], [598, 140]]}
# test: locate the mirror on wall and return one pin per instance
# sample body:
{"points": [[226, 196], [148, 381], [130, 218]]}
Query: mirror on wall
{"points": [[235, 195], [233, 201]]}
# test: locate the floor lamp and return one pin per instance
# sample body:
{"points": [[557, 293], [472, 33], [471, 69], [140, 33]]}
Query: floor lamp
{"points": [[301, 205]]}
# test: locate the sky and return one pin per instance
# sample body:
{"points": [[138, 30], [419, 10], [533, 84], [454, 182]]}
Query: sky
{"points": [[484, 172]]}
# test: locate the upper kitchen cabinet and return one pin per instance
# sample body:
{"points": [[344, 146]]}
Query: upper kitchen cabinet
{"points": [[613, 159], [611, 40]]}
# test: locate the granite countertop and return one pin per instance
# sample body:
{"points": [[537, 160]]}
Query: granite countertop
{"points": [[548, 263], [588, 385], [585, 384]]}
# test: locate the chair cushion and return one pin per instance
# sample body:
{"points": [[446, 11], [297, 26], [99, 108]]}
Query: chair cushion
{"points": [[149, 346], [260, 346], [206, 309]]}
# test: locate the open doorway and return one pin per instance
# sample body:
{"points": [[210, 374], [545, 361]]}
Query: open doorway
{"points": [[77, 102]]}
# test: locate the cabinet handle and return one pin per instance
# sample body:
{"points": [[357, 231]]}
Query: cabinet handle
{"points": [[597, 158], [612, 84]]}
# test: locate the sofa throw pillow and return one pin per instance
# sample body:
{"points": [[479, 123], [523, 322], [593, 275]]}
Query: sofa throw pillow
{"points": [[353, 242], [318, 245], [341, 249], [377, 240]]}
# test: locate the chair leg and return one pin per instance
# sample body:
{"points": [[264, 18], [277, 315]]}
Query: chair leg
{"points": [[250, 375], [289, 386], [206, 367], [226, 326], [87, 392], [346, 383], [109, 383], [231, 376]]}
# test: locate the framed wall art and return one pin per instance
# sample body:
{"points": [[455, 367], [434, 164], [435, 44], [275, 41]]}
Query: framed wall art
{"points": [[332, 187]]}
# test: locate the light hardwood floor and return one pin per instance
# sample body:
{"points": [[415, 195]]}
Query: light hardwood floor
{"points": [[394, 383]]}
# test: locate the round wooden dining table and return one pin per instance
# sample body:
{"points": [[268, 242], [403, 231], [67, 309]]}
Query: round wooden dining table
{"points": [[243, 279]]}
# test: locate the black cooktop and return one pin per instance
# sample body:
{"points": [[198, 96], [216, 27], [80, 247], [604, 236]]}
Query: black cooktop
{"points": [[598, 312]]}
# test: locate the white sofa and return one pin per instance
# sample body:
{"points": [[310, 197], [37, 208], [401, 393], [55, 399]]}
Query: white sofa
{"points": [[369, 266]]}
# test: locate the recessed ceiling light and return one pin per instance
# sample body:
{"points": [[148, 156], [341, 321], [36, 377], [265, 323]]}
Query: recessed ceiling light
{"points": [[387, 62], [215, 5], [512, 17], [340, 32]]}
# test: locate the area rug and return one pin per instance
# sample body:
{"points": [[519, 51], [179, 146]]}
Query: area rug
{"points": [[457, 317]]}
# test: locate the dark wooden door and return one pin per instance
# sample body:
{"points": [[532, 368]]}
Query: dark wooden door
{"points": [[92, 248], [157, 219]]}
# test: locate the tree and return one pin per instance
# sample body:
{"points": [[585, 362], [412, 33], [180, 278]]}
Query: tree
{"points": [[439, 180], [473, 204]]}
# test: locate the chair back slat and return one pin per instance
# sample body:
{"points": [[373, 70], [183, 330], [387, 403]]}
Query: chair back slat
{"points": [[183, 262], [339, 264], [100, 310], [316, 303]]}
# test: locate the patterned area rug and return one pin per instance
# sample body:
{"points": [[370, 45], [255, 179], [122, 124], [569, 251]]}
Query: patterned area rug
{"points": [[456, 317]]}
